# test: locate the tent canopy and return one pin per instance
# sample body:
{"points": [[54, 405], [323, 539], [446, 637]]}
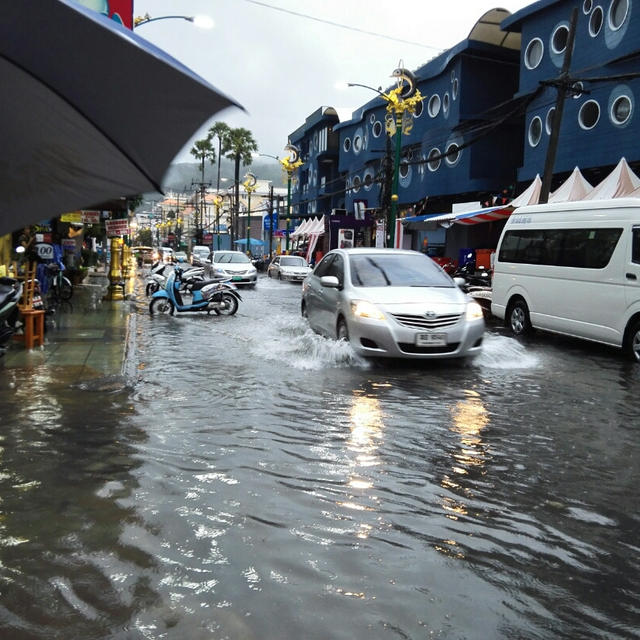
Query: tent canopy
{"points": [[253, 242]]}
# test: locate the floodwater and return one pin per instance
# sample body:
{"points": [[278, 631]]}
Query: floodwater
{"points": [[256, 481]]}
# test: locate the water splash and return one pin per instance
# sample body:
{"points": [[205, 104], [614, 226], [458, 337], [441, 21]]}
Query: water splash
{"points": [[503, 352]]}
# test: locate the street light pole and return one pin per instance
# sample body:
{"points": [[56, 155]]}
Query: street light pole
{"points": [[249, 185], [401, 105], [204, 22], [290, 165]]}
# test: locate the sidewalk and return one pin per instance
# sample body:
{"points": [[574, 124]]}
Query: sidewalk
{"points": [[87, 341]]}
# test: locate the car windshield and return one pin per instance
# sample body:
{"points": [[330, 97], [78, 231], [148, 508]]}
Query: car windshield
{"points": [[231, 257], [293, 261], [396, 270]]}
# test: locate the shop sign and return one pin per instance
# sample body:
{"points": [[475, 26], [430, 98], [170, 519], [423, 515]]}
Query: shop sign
{"points": [[73, 217], [118, 227], [90, 217], [44, 251], [69, 244]]}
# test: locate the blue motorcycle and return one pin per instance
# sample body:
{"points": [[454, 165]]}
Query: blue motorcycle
{"points": [[219, 296]]}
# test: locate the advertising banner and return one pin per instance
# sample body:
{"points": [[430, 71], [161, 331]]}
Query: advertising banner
{"points": [[73, 217], [90, 217]]}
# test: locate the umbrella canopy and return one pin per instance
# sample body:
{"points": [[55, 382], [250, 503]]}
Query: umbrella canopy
{"points": [[253, 242], [301, 229], [90, 111]]}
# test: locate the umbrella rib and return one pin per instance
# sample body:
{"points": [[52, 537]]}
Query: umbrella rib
{"points": [[87, 119]]}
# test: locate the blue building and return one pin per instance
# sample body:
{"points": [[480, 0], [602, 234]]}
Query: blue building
{"points": [[598, 125]]}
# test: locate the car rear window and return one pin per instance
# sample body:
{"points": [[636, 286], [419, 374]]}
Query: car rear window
{"points": [[396, 270]]}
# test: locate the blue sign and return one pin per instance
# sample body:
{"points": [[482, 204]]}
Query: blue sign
{"points": [[271, 221]]}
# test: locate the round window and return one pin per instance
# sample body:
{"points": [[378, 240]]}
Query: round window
{"points": [[589, 114], [621, 110], [453, 154], [357, 144], [595, 22], [419, 109], [372, 118], [368, 180], [618, 12], [587, 5], [404, 169], [453, 76], [445, 103], [454, 88], [356, 184], [434, 159], [559, 39], [548, 122], [346, 145], [535, 131], [434, 105], [377, 129], [533, 53]]}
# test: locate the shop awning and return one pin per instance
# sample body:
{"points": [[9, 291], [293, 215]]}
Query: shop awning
{"points": [[486, 214]]}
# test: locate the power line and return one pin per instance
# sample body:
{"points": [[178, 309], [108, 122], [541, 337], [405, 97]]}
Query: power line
{"points": [[343, 26]]}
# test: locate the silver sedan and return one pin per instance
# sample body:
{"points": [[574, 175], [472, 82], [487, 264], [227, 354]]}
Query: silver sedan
{"points": [[292, 268], [391, 303]]}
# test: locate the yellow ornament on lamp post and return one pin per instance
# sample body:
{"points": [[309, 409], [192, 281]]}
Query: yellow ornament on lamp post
{"points": [[290, 166], [249, 185]]}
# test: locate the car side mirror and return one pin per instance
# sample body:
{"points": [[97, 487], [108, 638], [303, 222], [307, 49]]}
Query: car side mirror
{"points": [[330, 281], [460, 282]]}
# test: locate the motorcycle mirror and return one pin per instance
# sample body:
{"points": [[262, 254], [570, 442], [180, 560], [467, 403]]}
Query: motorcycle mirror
{"points": [[20, 249], [460, 282]]}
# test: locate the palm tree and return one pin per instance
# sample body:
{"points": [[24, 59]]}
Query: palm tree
{"points": [[221, 131], [238, 145], [202, 150]]}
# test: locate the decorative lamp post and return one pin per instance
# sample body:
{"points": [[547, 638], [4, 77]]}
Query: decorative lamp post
{"points": [[249, 185], [290, 165], [401, 105]]}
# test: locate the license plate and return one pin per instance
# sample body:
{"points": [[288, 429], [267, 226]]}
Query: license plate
{"points": [[236, 278], [431, 339]]}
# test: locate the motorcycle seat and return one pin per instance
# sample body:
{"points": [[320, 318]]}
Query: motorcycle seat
{"points": [[196, 286]]}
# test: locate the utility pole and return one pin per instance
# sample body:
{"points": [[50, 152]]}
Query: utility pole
{"points": [[562, 84], [271, 221]]}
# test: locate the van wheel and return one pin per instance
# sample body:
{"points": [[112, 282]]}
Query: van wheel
{"points": [[519, 321], [632, 342], [342, 332]]}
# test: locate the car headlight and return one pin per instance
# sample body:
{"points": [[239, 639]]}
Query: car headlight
{"points": [[364, 309], [474, 311], [252, 270]]}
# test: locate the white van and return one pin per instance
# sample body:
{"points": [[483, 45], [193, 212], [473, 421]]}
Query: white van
{"points": [[574, 269]]}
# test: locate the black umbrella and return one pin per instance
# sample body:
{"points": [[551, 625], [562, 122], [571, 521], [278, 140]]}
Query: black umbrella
{"points": [[89, 110]]}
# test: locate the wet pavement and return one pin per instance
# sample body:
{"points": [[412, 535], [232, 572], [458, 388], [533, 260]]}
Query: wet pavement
{"points": [[249, 479]]}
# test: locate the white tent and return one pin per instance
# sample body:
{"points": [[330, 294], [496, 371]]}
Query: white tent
{"points": [[575, 187], [317, 227], [531, 195], [301, 229], [620, 182]]}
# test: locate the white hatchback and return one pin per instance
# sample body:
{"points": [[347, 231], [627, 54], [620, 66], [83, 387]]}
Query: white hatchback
{"points": [[235, 265]]}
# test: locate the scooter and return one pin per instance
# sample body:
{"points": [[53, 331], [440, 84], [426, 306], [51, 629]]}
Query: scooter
{"points": [[10, 292], [157, 278], [219, 296], [473, 279]]}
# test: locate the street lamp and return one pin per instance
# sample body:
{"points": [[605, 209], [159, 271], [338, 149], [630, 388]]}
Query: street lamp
{"points": [[401, 105], [249, 185], [217, 201], [204, 22], [290, 165]]}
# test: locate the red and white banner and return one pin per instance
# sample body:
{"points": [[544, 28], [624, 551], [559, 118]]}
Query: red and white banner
{"points": [[117, 227]]}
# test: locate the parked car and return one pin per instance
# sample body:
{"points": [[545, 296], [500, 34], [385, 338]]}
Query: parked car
{"points": [[391, 303], [293, 268], [181, 256], [199, 255], [235, 264]]}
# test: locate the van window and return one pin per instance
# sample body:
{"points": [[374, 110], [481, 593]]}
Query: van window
{"points": [[635, 246], [582, 248]]}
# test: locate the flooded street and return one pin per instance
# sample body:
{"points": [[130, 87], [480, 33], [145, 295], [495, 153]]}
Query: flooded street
{"points": [[257, 481]]}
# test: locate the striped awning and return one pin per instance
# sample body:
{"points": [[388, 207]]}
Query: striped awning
{"points": [[489, 214]]}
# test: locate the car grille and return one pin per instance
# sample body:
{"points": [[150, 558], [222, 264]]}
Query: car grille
{"points": [[408, 347], [424, 322], [235, 273]]}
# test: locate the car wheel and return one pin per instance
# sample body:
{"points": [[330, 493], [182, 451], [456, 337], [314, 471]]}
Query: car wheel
{"points": [[342, 331], [303, 310], [519, 321], [632, 342]]}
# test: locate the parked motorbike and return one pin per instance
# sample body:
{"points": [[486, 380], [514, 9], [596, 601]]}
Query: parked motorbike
{"points": [[219, 296], [473, 279], [10, 292], [157, 278]]}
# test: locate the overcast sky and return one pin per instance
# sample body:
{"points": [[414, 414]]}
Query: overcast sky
{"points": [[282, 67]]}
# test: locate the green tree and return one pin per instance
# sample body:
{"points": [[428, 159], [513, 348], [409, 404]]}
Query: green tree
{"points": [[144, 238], [238, 146], [221, 131]]}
